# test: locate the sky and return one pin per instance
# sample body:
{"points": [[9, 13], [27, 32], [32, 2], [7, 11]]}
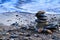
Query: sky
{"points": [[31, 6]]}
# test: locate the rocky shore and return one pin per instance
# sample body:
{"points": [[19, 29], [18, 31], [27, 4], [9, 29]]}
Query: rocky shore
{"points": [[22, 33], [20, 26]]}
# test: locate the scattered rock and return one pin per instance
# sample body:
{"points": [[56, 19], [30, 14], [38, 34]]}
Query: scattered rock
{"points": [[8, 20], [17, 15], [44, 31], [52, 27], [36, 35], [40, 30], [27, 34], [49, 31], [20, 33], [24, 27], [14, 36], [15, 24], [55, 37], [11, 39], [26, 38]]}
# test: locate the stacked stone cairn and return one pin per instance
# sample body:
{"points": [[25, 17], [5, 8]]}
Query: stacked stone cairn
{"points": [[41, 22]]}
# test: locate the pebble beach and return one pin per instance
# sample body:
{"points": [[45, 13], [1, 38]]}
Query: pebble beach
{"points": [[10, 32]]}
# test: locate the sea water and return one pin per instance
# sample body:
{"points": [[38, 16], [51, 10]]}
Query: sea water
{"points": [[31, 6]]}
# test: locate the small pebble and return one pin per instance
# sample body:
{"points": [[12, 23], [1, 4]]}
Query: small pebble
{"points": [[27, 35], [25, 38], [36, 35], [17, 15]]}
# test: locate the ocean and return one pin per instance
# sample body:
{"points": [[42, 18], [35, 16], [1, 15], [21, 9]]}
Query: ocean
{"points": [[31, 6]]}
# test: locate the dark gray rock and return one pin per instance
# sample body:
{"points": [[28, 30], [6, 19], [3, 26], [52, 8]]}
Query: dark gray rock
{"points": [[17, 15], [14, 36], [27, 34], [52, 27]]}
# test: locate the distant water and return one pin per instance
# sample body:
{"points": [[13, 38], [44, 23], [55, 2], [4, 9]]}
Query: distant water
{"points": [[29, 5]]}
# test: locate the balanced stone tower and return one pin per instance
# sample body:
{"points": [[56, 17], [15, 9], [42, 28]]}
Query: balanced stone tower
{"points": [[41, 20], [42, 23]]}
